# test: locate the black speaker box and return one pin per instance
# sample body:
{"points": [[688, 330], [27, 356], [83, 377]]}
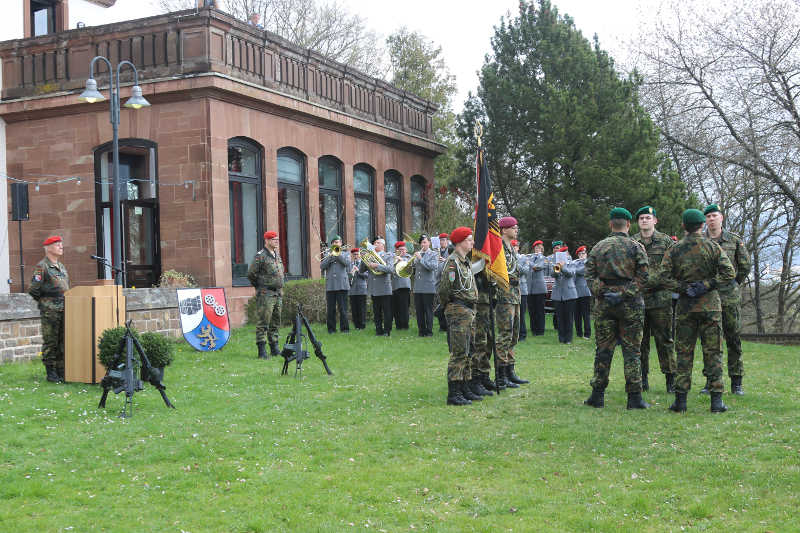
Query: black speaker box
{"points": [[19, 201]]}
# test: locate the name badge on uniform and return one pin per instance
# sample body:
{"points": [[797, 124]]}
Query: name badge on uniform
{"points": [[452, 275]]}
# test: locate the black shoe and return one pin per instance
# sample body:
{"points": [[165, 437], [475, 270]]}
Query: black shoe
{"points": [[707, 387], [504, 371], [467, 392], [635, 401], [487, 382], [331, 331], [262, 352], [597, 399], [52, 374], [500, 382], [273, 349], [477, 387], [679, 406], [645, 383], [454, 396], [736, 385], [670, 378], [513, 377], [60, 372], [716, 403]]}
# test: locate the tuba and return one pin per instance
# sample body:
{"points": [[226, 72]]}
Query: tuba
{"points": [[368, 254], [404, 269]]}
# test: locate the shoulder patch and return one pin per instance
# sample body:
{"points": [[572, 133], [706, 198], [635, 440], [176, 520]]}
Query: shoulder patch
{"points": [[37, 277], [451, 276]]}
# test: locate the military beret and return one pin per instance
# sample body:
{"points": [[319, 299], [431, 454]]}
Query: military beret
{"points": [[270, 234], [514, 242], [51, 240], [557, 243], [355, 250], [507, 222], [646, 210], [620, 212], [423, 237], [336, 238], [564, 249], [444, 236], [711, 208], [459, 234], [398, 244], [674, 238], [537, 243], [580, 249], [693, 216]]}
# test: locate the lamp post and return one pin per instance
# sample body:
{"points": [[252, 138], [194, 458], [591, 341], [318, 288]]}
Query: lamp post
{"points": [[136, 101]]}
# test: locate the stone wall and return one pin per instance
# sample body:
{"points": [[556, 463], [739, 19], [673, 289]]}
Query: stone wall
{"points": [[20, 336]]}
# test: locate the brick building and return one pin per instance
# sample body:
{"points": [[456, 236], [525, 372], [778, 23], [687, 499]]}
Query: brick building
{"points": [[245, 132]]}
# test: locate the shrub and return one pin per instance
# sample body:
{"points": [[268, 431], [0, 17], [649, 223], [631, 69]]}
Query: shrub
{"points": [[159, 348], [109, 344], [176, 280], [309, 292]]}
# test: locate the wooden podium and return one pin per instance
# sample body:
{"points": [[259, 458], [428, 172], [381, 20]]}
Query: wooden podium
{"points": [[88, 311]]}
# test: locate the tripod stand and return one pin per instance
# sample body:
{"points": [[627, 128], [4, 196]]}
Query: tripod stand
{"points": [[293, 347]]}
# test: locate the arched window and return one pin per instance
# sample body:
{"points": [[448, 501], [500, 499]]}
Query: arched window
{"points": [[244, 195], [292, 211], [393, 198], [330, 197], [419, 213], [141, 249], [363, 178]]}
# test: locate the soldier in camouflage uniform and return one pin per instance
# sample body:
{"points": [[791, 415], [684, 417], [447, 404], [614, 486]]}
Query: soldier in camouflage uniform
{"points": [[731, 299], [616, 271], [481, 361], [657, 300], [507, 312], [50, 281], [459, 294], [266, 275], [695, 267]]}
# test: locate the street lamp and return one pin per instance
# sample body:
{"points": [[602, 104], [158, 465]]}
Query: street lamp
{"points": [[136, 101]]}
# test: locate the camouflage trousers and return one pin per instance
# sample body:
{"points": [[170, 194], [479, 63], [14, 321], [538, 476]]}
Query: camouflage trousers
{"points": [[623, 323], [658, 322], [732, 330], [52, 338], [482, 348], [268, 317], [459, 326], [707, 326], [507, 327]]}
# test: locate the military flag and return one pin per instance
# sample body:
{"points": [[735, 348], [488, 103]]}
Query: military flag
{"points": [[488, 243]]}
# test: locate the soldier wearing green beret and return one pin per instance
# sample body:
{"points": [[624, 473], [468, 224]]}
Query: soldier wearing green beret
{"points": [[734, 248], [616, 271], [657, 300], [695, 267]]}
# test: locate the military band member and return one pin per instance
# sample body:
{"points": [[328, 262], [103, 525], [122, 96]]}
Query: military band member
{"points": [[657, 300], [379, 287], [550, 262], [458, 294], [507, 309], [358, 291], [444, 253], [266, 274], [50, 281], [729, 295], [583, 326], [337, 283], [401, 288], [524, 269], [616, 271], [537, 289], [696, 266], [564, 296], [426, 264]]}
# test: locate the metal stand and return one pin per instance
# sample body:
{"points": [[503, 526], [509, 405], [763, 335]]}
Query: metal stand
{"points": [[293, 347]]}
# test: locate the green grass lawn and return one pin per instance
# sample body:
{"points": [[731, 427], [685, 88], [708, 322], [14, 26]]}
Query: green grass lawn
{"points": [[374, 447]]}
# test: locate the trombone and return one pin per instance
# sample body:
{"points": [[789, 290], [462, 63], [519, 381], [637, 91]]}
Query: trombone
{"points": [[334, 250]]}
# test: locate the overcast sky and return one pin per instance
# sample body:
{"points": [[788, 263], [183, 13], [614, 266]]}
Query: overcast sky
{"points": [[462, 28]]}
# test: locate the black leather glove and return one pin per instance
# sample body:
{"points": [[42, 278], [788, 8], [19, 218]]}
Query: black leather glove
{"points": [[613, 298], [696, 289]]}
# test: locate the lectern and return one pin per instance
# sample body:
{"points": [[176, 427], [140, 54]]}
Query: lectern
{"points": [[88, 311]]}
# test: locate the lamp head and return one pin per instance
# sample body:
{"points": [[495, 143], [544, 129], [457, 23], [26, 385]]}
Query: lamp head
{"points": [[136, 101], [91, 94]]}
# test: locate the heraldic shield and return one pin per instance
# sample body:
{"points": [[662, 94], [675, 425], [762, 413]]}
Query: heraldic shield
{"points": [[204, 318]]}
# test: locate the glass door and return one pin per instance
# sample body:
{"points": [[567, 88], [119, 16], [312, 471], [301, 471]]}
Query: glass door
{"points": [[141, 243]]}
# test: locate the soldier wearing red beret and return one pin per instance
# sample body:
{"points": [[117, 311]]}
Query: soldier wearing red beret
{"points": [[50, 281], [583, 324], [401, 288], [266, 275], [507, 310]]}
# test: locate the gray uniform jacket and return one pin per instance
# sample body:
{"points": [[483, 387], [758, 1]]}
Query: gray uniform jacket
{"points": [[397, 281], [336, 269], [443, 254], [380, 285], [358, 282], [580, 278], [425, 270], [536, 272], [564, 287], [524, 269]]}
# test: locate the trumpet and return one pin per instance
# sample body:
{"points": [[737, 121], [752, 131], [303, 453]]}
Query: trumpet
{"points": [[368, 254], [334, 250], [557, 268]]}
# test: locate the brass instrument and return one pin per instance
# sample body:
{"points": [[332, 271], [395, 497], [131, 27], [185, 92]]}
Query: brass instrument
{"points": [[368, 254], [335, 250], [404, 269], [557, 268]]}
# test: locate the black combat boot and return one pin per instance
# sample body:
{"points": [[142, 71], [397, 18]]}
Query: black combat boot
{"points": [[670, 383], [454, 396], [513, 377], [477, 387], [736, 385], [716, 403], [679, 405], [273, 349], [467, 392], [707, 387], [506, 373], [487, 382], [262, 352], [597, 399], [645, 383], [635, 401], [52, 374]]}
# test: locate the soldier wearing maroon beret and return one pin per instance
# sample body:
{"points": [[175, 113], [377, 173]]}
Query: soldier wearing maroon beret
{"points": [[507, 314], [50, 281]]}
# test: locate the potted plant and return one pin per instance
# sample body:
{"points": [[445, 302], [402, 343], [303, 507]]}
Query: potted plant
{"points": [[159, 350], [109, 345]]}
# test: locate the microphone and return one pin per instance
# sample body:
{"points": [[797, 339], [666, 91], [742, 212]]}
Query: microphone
{"points": [[97, 258]]}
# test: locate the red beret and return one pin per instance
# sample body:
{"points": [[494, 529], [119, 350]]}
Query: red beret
{"points": [[355, 250], [52, 240], [674, 238], [507, 222], [270, 234], [514, 242], [564, 249], [459, 234], [580, 249], [536, 243], [398, 244], [444, 236]]}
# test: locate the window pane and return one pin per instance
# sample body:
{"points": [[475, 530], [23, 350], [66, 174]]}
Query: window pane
{"points": [[291, 244], [391, 187], [329, 215], [242, 161], [362, 181], [245, 241], [391, 225], [417, 217], [290, 170], [40, 22], [329, 174], [417, 191], [363, 218]]}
